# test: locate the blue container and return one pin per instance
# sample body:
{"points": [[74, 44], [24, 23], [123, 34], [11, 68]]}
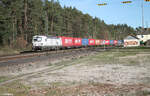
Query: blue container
{"points": [[111, 42], [120, 42], [85, 42]]}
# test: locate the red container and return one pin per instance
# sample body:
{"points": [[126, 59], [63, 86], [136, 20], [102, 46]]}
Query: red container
{"points": [[67, 41], [77, 41], [107, 42], [115, 42], [91, 41], [97, 42]]}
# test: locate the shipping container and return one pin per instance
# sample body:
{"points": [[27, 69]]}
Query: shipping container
{"points": [[91, 42], [67, 41], [77, 41], [115, 42], [85, 42], [111, 42], [131, 41], [120, 42], [102, 42], [97, 42], [107, 42]]}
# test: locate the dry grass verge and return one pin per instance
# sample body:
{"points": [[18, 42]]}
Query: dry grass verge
{"points": [[111, 73]]}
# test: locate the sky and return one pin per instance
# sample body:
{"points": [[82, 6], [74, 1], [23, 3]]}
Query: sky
{"points": [[114, 12]]}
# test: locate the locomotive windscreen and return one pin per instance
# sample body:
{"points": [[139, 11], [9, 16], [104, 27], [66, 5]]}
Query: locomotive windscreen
{"points": [[37, 39]]}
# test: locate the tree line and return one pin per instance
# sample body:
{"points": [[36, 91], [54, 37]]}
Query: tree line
{"points": [[22, 19]]}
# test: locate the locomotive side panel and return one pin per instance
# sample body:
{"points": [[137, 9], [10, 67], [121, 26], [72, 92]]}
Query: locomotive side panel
{"points": [[53, 41]]}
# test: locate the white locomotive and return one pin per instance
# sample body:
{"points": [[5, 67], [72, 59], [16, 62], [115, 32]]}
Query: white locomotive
{"points": [[41, 42]]}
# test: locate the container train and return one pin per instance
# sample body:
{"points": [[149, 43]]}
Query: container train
{"points": [[42, 42]]}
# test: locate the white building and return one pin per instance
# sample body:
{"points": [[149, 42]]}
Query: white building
{"points": [[144, 38], [131, 41]]}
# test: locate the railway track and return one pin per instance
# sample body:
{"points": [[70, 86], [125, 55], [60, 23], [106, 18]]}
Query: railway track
{"points": [[29, 54], [47, 70], [51, 55]]}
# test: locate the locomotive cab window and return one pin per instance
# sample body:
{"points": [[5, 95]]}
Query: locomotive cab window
{"points": [[38, 39]]}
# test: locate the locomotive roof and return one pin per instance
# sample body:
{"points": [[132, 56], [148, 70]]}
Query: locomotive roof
{"points": [[48, 36], [131, 37], [54, 37]]}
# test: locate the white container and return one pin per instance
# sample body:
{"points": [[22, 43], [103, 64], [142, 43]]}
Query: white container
{"points": [[131, 41]]}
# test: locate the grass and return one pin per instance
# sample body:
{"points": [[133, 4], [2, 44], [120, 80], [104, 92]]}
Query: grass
{"points": [[5, 50], [3, 78], [109, 57], [66, 63], [95, 89], [121, 56], [60, 89], [16, 88], [8, 51], [113, 56], [132, 50]]}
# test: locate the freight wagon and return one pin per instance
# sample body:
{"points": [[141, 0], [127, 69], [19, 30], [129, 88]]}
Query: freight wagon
{"points": [[107, 42], [102, 42], [67, 42], [97, 42], [91, 42], [115, 42], [120, 42], [111, 42], [77, 42], [85, 42]]}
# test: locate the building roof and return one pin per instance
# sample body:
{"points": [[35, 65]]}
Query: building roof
{"points": [[131, 37], [145, 31]]}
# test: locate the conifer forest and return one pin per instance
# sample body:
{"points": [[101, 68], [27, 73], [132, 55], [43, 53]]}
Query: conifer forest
{"points": [[22, 19]]}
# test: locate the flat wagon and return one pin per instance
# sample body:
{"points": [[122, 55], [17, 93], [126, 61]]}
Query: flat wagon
{"points": [[77, 42]]}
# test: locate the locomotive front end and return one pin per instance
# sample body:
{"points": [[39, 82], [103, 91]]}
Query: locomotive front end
{"points": [[37, 43]]}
